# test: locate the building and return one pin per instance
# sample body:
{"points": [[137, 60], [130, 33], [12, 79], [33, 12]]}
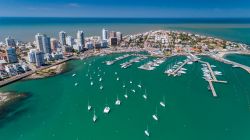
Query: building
{"points": [[62, 38], [112, 34], [10, 42], [43, 43], [39, 58], [46, 44], [90, 45], [113, 41], [119, 36], [80, 39], [70, 41], [104, 34], [32, 56], [39, 41], [54, 44], [11, 55], [104, 44]]}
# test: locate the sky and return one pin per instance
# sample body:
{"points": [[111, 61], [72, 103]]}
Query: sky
{"points": [[125, 8]]}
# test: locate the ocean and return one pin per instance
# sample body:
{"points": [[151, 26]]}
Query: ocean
{"points": [[24, 29], [57, 109]]}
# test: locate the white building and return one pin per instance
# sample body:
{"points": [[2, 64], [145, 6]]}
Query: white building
{"points": [[10, 42], [80, 38], [70, 41], [31, 56], [39, 58], [62, 38], [104, 34]]}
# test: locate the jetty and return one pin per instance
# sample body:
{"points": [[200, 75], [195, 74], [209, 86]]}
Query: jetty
{"points": [[214, 79], [235, 64], [179, 68]]}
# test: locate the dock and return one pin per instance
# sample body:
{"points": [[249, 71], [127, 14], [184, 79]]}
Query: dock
{"points": [[176, 70], [214, 79], [235, 64]]}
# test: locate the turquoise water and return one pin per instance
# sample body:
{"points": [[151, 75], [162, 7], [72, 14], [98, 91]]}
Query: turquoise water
{"points": [[25, 28], [242, 59], [58, 110]]}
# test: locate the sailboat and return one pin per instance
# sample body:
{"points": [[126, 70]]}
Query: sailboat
{"points": [[126, 95], [94, 117], [146, 132], [76, 84], [115, 73], [145, 95], [139, 85], [89, 106], [100, 79], [155, 116], [117, 79], [106, 108], [73, 75], [162, 103], [91, 83], [117, 102], [101, 87], [123, 85], [130, 82]]}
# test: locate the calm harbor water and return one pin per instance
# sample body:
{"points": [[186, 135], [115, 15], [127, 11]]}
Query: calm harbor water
{"points": [[58, 110]]}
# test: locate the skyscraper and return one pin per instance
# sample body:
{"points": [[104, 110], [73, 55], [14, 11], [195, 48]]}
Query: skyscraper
{"points": [[104, 34], [119, 36], [11, 54], [80, 39], [54, 44], [62, 38], [10, 42], [70, 40], [112, 34], [43, 43], [31, 56], [39, 58]]}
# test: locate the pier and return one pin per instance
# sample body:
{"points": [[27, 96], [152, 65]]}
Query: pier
{"points": [[176, 70], [235, 64], [214, 79]]}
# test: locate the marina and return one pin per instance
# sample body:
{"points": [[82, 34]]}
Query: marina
{"points": [[151, 65], [131, 61]]}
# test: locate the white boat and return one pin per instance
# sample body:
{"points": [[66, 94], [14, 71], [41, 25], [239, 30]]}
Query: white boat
{"points": [[162, 103], [126, 95], [146, 132], [145, 95], [116, 73], [91, 83], [101, 87], [117, 79], [100, 79], [155, 116], [190, 63], [133, 90], [73, 75], [106, 110], [123, 85], [76, 84], [130, 82], [139, 85], [89, 106], [117, 102], [94, 117]]}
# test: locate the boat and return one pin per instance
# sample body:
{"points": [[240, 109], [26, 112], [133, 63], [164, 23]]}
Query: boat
{"points": [[162, 103], [126, 95], [117, 102], [101, 87], [139, 85], [130, 82], [123, 85], [94, 117], [133, 90], [145, 95], [100, 79], [89, 106], [91, 83], [146, 132], [116, 73], [106, 110], [117, 79], [73, 75], [155, 116], [76, 84], [208, 88]]}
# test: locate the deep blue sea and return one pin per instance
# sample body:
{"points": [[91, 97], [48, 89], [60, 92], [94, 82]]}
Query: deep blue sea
{"points": [[25, 28]]}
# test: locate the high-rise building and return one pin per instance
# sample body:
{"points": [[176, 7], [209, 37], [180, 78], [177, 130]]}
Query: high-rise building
{"points": [[54, 44], [39, 41], [10, 42], [80, 39], [43, 43], [104, 34], [39, 58], [113, 41], [112, 34], [62, 38], [70, 41], [11, 55], [46, 44], [32, 56], [119, 36]]}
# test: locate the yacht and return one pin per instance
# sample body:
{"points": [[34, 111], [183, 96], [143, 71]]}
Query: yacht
{"points": [[145, 95], [117, 79], [76, 84], [130, 82], [101, 87], [106, 110], [73, 75], [94, 117], [100, 79], [139, 85], [133, 90], [123, 85], [155, 116], [116, 73], [126, 95], [117, 102], [89, 106], [146, 132], [91, 83], [162, 103]]}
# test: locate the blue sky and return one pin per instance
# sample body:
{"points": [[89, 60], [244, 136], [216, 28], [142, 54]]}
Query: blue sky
{"points": [[125, 8]]}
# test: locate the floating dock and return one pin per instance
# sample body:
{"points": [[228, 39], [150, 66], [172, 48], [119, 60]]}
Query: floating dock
{"points": [[179, 68]]}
